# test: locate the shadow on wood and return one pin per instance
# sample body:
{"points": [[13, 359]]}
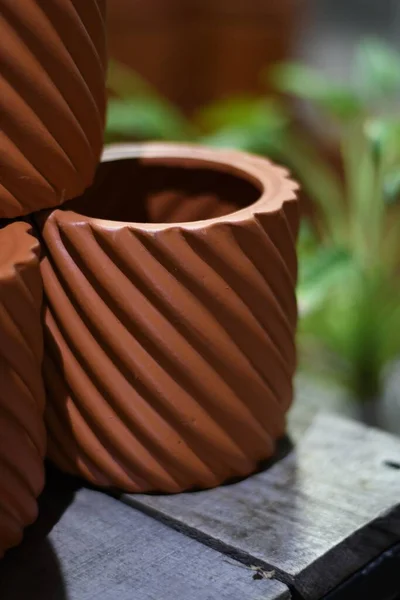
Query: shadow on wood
{"points": [[315, 517], [32, 570]]}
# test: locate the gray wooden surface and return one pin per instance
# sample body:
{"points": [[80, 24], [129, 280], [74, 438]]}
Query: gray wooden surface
{"points": [[100, 549], [315, 517]]}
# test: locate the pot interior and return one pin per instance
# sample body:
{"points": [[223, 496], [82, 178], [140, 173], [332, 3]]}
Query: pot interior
{"points": [[164, 190]]}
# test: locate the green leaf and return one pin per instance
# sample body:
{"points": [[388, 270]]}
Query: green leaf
{"points": [[319, 180], [319, 274], [335, 99], [242, 111], [330, 317], [391, 327], [377, 66], [349, 323], [307, 240], [384, 136], [143, 118], [391, 187], [364, 195], [372, 166], [139, 111], [237, 138], [390, 251], [125, 82], [254, 125]]}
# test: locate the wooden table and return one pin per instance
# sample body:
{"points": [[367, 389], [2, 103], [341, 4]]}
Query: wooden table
{"points": [[322, 521]]}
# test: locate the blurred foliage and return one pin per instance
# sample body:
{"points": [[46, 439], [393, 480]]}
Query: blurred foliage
{"points": [[137, 112], [349, 288]]}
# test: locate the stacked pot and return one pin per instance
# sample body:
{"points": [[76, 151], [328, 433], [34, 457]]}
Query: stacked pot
{"points": [[52, 102], [168, 283]]}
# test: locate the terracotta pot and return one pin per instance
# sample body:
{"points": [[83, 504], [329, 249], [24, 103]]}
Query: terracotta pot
{"points": [[52, 101], [22, 433], [198, 51], [170, 318]]}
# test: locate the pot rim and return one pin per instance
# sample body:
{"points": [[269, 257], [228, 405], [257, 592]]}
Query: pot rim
{"points": [[274, 182]]}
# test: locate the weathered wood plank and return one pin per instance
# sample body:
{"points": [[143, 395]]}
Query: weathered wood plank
{"points": [[316, 516], [100, 549]]}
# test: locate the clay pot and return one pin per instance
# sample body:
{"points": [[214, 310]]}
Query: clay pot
{"points": [[197, 51], [170, 318], [22, 433], [52, 101]]}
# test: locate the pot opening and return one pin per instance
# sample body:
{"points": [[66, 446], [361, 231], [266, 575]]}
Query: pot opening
{"points": [[164, 190]]}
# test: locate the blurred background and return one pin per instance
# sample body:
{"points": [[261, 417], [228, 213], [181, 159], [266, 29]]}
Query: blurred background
{"points": [[197, 51], [314, 85]]}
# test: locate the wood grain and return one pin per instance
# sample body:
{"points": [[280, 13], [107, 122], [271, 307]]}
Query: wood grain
{"points": [[101, 549], [315, 517]]}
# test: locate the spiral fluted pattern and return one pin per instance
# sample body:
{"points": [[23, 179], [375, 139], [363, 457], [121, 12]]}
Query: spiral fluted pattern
{"points": [[52, 101], [169, 348], [22, 434]]}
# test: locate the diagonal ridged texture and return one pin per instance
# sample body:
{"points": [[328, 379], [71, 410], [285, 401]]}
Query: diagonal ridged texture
{"points": [[169, 348], [52, 100], [22, 432]]}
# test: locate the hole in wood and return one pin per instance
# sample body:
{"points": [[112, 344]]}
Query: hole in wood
{"points": [[392, 464], [164, 190]]}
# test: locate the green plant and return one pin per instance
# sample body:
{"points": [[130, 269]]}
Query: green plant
{"points": [[349, 288], [138, 112]]}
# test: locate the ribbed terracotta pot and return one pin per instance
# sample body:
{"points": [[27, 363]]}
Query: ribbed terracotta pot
{"points": [[52, 100], [170, 319], [22, 432]]}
